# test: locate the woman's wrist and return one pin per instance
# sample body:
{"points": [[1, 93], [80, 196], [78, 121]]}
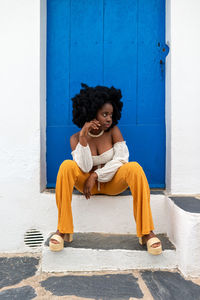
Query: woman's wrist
{"points": [[94, 174], [83, 133], [82, 138], [83, 141]]}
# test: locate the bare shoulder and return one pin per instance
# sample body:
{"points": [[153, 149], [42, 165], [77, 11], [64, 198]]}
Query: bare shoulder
{"points": [[116, 134], [74, 139]]}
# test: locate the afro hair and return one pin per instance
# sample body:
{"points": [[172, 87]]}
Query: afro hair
{"points": [[91, 99]]}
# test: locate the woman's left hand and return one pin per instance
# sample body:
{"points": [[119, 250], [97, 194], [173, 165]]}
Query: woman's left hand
{"points": [[89, 183]]}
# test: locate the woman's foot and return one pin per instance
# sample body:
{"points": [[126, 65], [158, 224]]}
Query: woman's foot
{"points": [[52, 240], [56, 242], [146, 237], [154, 246]]}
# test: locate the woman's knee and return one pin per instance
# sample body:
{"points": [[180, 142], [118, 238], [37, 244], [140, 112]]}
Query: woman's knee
{"points": [[134, 170], [133, 165], [67, 165]]}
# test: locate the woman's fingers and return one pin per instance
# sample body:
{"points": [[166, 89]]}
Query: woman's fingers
{"points": [[93, 126], [95, 122], [86, 192], [87, 195]]}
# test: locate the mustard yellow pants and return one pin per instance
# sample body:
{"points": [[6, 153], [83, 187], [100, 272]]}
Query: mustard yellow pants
{"points": [[128, 175]]}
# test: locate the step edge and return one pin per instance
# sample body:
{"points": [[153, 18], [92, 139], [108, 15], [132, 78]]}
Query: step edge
{"points": [[103, 250]]}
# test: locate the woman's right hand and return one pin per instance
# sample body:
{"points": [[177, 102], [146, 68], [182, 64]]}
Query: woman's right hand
{"points": [[94, 124], [89, 183]]}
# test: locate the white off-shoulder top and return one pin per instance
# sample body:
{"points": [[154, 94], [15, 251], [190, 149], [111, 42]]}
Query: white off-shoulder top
{"points": [[112, 158], [103, 158]]}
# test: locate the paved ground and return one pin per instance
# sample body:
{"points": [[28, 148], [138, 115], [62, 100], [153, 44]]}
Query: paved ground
{"points": [[21, 279]]}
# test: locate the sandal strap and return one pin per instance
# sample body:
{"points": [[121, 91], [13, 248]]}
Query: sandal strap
{"points": [[152, 241], [57, 238]]}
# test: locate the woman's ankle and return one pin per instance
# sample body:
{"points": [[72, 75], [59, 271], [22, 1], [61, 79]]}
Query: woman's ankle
{"points": [[60, 233]]}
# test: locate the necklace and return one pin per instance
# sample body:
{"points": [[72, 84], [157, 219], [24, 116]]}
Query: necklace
{"points": [[95, 135]]}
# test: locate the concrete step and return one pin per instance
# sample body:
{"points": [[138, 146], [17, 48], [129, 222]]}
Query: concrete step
{"points": [[114, 214], [176, 215], [99, 252], [108, 214], [183, 219]]}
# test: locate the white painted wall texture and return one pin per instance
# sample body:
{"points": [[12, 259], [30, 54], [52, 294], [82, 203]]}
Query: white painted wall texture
{"points": [[184, 36], [22, 114], [22, 204]]}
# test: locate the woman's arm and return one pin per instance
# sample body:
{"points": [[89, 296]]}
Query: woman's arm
{"points": [[81, 154], [80, 149], [81, 137]]}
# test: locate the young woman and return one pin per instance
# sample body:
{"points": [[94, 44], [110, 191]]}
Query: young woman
{"points": [[100, 165]]}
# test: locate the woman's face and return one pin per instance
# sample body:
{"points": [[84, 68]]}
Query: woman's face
{"points": [[104, 116]]}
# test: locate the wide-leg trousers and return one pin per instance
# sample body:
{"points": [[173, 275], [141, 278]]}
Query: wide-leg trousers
{"points": [[130, 175]]}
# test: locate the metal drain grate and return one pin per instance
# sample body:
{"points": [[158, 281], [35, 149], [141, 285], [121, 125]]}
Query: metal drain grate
{"points": [[33, 238]]}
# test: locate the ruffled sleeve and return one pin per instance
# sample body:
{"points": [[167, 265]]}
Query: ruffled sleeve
{"points": [[83, 157], [120, 157]]}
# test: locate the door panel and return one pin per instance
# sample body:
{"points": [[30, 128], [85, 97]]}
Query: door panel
{"points": [[151, 92], [108, 42]]}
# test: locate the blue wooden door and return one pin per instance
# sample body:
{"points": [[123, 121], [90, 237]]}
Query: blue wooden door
{"points": [[108, 42]]}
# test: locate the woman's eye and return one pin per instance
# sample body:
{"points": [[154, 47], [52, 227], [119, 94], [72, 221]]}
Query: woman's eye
{"points": [[105, 115]]}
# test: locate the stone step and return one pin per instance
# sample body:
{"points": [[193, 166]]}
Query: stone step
{"points": [[114, 214], [183, 219], [99, 252], [109, 214]]}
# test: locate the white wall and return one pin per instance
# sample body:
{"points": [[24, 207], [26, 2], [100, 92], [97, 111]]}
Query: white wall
{"points": [[22, 114], [183, 108], [22, 205]]}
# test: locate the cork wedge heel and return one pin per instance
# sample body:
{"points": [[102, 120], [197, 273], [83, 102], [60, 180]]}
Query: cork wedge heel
{"points": [[149, 243], [68, 237]]}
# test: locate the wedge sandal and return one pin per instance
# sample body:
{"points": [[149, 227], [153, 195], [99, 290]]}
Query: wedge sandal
{"points": [[68, 237], [149, 243]]}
